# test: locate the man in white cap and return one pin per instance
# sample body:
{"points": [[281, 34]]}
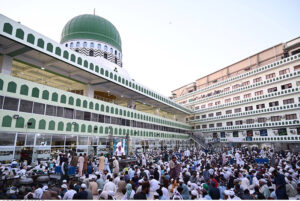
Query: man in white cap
{"points": [[264, 189], [115, 165], [194, 195], [70, 193], [38, 193], [83, 194], [231, 195], [110, 186], [120, 150], [64, 189], [154, 184], [245, 183]]}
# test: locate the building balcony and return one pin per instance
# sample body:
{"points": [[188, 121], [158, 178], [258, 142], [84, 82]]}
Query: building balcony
{"points": [[291, 139], [242, 76], [282, 108], [276, 94], [30, 91], [252, 126], [249, 87]]}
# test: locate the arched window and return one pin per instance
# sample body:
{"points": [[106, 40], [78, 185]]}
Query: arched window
{"points": [[7, 28], [84, 44], [78, 44], [111, 50], [105, 47], [30, 38], [66, 44], [20, 122], [91, 45], [24, 90], [35, 92], [91, 53], [12, 87], [119, 55], [71, 45], [116, 53], [51, 125], [99, 46], [40, 43]]}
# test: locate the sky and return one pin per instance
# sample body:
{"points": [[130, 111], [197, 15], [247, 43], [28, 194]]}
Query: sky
{"points": [[167, 44]]}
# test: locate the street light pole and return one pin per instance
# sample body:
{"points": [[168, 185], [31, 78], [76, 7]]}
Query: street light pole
{"points": [[110, 137]]}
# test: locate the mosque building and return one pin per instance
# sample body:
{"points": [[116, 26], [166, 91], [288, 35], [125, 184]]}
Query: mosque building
{"points": [[77, 95]]}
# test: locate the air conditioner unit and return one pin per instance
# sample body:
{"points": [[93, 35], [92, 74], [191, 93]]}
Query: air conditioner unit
{"points": [[256, 132], [293, 131], [275, 132]]}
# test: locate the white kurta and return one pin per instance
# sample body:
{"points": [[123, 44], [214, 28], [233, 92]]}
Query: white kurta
{"points": [[80, 163]]}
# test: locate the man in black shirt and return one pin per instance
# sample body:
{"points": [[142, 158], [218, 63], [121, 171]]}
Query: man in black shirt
{"points": [[82, 194], [280, 183], [145, 190]]}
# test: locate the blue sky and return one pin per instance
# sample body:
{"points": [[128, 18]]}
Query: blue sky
{"points": [[169, 43]]}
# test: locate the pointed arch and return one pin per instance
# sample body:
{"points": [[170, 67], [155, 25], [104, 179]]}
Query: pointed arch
{"points": [[6, 121], [42, 124]]}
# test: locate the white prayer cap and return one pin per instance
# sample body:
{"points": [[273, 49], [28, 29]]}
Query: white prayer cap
{"points": [[189, 183], [271, 169], [180, 180], [194, 193], [64, 181], [229, 192], [104, 195], [83, 186], [263, 180], [45, 188], [65, 186]]}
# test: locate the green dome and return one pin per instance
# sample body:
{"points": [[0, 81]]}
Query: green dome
{"points": [[91, 27]]}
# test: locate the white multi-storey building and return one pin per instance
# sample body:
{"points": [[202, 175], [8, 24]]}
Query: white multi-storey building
{"points": [[254, 101]]}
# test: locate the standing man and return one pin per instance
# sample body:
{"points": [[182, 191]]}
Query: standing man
{"points": [[106, 164], [74, 160], [172, 165], [80, 162], [101, 162], [115, 165], [64, 169], [85, 164], [280, 183]]}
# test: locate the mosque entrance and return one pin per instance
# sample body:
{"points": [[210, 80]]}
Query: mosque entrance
{"points": [[26, 154]]}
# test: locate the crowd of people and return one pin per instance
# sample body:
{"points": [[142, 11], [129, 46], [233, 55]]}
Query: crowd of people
{"points": [[191, 174]]}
